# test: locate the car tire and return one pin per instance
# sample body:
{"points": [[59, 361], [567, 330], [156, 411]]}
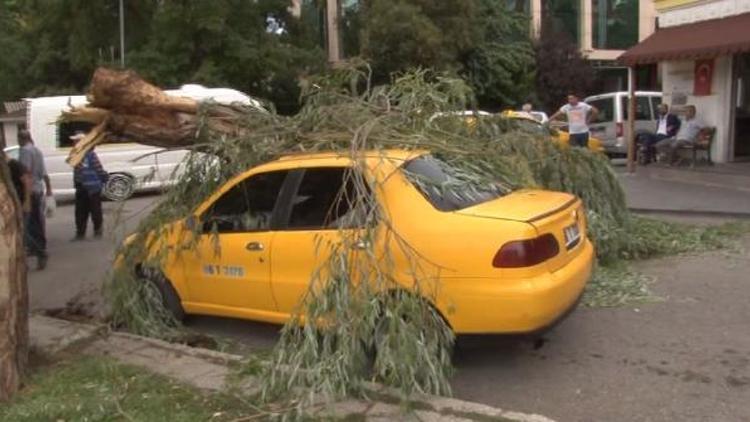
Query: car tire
{"points": [[119, 187], [372, 351], [169, 296]]}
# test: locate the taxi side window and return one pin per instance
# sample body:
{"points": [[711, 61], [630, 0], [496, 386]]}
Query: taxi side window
{"points": [[330, 198], [246, 207]]}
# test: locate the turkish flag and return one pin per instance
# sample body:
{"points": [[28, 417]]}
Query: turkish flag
{"points": [[704, 72]]}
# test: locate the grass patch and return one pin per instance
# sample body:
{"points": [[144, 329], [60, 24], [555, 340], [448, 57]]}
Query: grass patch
{"points": [[99, 389], [615, 283], [654, 238]]}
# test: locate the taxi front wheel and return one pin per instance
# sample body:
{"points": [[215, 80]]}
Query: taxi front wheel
{"points": [[169, 297]]}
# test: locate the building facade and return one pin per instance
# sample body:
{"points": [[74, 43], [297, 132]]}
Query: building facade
{"points": [[703, 51], [603, 30], [12, 119]]}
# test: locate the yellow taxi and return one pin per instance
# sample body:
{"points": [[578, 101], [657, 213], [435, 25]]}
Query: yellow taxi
{"points": [[563, 138], [493, 260]]}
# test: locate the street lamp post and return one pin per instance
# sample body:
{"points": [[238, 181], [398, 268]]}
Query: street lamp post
{"points": [[332, 29], [122, 34]]}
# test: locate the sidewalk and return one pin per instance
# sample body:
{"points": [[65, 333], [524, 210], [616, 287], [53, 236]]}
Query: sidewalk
{"points": [[213, 371], [718, 190]]}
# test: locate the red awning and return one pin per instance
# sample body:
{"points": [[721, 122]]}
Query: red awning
{"points": [[700, 40]]}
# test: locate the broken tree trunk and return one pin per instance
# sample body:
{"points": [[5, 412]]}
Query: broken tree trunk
{"points": [[125, 108], [14, 332]]}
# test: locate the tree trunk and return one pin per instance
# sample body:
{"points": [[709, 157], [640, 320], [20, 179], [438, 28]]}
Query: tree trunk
{"points": [[125, 108], [14, 322]]}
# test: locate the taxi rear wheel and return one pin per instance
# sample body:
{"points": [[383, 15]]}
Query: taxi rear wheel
{"points": [[380, 331], [169, 297]]}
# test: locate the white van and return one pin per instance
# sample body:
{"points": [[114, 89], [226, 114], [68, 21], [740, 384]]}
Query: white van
{"points": [[609, 125], [131, 166]]}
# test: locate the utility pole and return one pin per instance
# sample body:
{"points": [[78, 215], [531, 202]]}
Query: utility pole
{"points": [[122, 34], [332, 31], [630, 132]]}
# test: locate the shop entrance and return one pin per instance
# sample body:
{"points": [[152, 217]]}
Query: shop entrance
{"points": [[742, 107]]}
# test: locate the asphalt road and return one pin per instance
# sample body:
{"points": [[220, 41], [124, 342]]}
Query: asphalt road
{"points": [[75, 270], [686, 358]]}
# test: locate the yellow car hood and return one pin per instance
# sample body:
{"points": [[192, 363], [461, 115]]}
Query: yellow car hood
{"points": [[523, 205]]}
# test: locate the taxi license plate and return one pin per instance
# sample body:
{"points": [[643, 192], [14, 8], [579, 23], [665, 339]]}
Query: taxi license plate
{"points": [[572, 235]]}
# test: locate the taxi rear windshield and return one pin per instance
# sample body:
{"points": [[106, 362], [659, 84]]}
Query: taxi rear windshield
{"points": [[448, 188]]}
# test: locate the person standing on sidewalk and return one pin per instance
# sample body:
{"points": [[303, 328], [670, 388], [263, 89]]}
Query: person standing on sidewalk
{"points": [[579, 114], [33, 160], [88, 177]]}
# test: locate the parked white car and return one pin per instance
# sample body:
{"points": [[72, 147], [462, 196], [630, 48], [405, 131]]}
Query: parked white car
{"points": [[609, 125], [132, 166]]}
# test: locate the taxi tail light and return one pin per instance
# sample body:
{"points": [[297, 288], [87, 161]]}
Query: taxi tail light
{"points": [[620, 130], [526, 253]]}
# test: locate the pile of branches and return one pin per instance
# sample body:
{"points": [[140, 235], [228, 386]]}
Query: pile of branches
{"points": [[343, 113]]}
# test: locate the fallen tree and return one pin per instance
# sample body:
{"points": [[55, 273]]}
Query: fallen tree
{"points": [[123, 108], [343, 113]]}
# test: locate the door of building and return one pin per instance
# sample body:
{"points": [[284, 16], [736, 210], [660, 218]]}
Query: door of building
{"points": [[742, 107]]}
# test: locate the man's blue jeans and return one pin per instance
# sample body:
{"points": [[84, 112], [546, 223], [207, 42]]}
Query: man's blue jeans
{"points": [[579, 140], [36, 239]]}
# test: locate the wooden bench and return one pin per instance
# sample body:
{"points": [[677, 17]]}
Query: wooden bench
{"points": [[703, 143]]}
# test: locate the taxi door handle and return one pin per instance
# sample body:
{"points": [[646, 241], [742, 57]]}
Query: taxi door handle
{"points": [[254, 246]]}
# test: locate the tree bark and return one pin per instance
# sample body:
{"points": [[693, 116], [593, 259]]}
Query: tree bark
{"points": [[14, 322]]}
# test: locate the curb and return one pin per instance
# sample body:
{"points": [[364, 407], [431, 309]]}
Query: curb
{"points": [[731, 181], [692, 213], [210, 370]]}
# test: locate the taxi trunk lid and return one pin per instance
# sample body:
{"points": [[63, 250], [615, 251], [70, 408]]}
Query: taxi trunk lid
{"points": [[558, 213]]}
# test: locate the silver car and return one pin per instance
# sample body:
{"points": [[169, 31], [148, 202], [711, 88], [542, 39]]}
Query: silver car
{"points": [[609, 125]]}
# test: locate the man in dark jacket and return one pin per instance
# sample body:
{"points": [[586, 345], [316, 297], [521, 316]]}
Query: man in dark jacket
{"points": [[22, 182], [89, 178], [667, 126]]}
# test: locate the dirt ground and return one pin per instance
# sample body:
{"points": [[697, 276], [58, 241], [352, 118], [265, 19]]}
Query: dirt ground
{"points": [[686, 358]]}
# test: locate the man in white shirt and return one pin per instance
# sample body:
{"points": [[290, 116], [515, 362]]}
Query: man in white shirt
{"points": [[578, 114], [667, 126]]}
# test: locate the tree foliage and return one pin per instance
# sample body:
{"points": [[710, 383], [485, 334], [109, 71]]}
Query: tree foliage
{"points": [[346, 113], [560, 68], [480, 40], [500, 67], [52, 47]]}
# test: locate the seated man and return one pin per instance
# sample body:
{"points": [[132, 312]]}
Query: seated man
{"points": [[687, 135], [667, 126]]}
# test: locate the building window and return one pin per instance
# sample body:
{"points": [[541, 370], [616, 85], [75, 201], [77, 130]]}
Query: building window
{"points": [[563, 17], [614, 24], [520, 6]]}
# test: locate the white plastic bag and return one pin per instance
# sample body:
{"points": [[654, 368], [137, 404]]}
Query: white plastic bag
{"points": [[50, 206]]}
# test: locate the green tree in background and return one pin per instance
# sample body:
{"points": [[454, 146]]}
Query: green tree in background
{"points": [[253, 46], [480, 40], [501, 65], [51, 47], [228, 43], [560, 68]]}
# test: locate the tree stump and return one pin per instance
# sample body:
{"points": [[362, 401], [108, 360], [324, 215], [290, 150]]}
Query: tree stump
{"points": [[14, 321]]}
